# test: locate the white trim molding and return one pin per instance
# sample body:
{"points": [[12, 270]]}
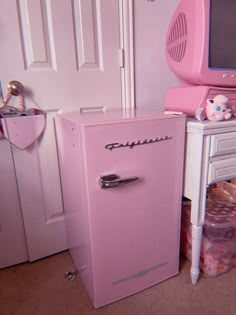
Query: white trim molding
{"points": [[126, 10]]}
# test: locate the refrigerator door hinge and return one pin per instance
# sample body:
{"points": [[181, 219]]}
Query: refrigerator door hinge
{"points": [[122, 57]]}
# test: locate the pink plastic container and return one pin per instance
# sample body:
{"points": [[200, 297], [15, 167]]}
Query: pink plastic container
{"points": [[218, 251]]}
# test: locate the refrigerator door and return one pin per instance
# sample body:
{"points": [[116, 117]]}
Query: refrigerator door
{"points": [[134, 226]]}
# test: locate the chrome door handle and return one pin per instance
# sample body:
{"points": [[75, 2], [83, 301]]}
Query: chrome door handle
{"points": [[113, 180]]}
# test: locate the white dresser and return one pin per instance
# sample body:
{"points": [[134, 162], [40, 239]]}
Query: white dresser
{"points": [[210, 158]]}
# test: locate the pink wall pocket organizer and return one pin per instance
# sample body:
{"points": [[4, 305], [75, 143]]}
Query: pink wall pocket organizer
{"points": [[19, 126], [22, 131]]}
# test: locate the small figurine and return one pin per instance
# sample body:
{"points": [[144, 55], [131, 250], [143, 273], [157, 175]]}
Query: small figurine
{"points": [[217, 108]]}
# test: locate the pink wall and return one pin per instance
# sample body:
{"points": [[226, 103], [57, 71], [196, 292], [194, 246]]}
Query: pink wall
{"points": [[152, 74]]}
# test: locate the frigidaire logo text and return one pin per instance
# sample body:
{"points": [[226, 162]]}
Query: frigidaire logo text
{"points": [[131, 145]]}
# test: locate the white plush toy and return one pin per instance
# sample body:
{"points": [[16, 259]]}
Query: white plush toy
{"points": [[217, 108]]}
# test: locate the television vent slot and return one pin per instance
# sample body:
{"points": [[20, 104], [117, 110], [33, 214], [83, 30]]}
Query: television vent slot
{"points": [[177, 38]]}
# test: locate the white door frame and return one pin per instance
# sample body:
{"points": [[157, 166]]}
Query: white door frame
{"points": [[127, 48]]}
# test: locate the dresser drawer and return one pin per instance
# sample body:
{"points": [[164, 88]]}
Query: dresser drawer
{"points": [[223, 143], [221, 170]]}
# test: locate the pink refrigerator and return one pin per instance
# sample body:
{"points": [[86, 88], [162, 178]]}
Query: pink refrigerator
{"points": [[121, 178]]}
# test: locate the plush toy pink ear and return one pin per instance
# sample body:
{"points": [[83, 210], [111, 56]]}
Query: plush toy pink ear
{"points": [[210, 102]]}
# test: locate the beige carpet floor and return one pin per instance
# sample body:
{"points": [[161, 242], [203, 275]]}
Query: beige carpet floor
{"points": [[40, 288]]}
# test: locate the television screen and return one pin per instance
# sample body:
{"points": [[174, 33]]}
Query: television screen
{"points": [[222, 37]]}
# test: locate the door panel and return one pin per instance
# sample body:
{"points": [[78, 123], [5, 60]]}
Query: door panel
{"points": [[40, 192], [38, 48], [13, 248], [65, 52]]}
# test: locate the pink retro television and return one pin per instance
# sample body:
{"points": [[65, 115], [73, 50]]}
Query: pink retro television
{"points": [[201, 50]]}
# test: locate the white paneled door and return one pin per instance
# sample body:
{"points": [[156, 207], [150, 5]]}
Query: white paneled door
{"points": [[68, 55]]}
